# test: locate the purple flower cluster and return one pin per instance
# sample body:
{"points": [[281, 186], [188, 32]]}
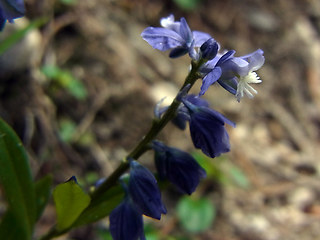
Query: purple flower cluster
{"points": [[207, 126], [232, 73], [10, 10]]}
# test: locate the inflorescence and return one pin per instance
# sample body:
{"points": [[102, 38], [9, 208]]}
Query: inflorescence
{"points": [[207, 126]]}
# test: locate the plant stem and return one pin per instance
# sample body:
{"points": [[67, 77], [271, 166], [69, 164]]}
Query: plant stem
{"points": [[140, 149], [157, 126]]}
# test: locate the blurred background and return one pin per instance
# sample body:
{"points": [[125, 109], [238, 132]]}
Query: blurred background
{"points": [[80, 87]]}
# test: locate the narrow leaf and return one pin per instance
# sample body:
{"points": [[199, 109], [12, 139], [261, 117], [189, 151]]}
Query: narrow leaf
{"points": [[17, 184], [11, 229], [70, 201]]}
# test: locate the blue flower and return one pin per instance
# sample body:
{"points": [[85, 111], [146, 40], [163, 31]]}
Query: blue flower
{"points": [[144, 191], [9, 10], [183, 114], [233, 73], [178, 167], [175, 35], [207, 129], [126, 221], [213, 70]]}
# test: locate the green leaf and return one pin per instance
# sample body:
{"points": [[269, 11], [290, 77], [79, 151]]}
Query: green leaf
{"points": [[101, 207], [17, 184], [195, 215], [11, 229], [43, 190], [70, 201], [98, 208], [19, 34]]}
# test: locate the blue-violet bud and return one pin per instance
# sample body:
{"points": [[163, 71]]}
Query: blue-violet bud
{"points": [[207, 129], [178, 167], [144, 191], [209, 49], [126, 222]]}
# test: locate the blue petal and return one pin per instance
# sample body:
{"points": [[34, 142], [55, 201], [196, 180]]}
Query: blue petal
{"points": [[209, 135], [185, 32], [180, 120], [178, 52], [238, 66], [226, 57], [196, 100], [144, 191], [200, 38], [207, 130], [162, 38], [229, 84], [218, 116], [255, 59], [178, 167], [243, 65], [183, 115], [210, 79], [126, 222]]}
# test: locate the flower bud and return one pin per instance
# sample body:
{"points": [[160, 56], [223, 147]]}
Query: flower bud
{"points": [[207, 129], [126, 222], [144, 191], [209, 49], [179, 167]]}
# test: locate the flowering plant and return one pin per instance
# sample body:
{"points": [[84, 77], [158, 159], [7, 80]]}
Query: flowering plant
{"points": [[132, 191]]}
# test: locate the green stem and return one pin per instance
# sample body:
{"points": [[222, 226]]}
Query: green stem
{"points": [[157, 126], [140, 149]]}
